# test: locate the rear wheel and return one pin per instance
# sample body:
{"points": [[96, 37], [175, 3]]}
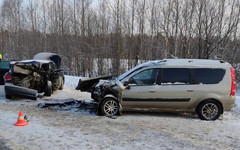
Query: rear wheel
{"points": [[209, 110], [109, 107], [48, 89]]}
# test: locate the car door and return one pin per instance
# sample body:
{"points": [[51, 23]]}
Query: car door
{"points": [[141, 89], [175, 89]]}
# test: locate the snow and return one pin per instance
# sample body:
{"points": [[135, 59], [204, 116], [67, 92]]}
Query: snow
{"points": [[71, 81], [170, 83], [35, 60], [43, 56], [50, 129], [237, 102]]}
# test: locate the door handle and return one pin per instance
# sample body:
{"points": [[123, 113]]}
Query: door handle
{"points": [[190, 90], [152, 91]]}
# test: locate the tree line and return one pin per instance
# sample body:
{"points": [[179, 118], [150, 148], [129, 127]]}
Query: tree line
{"points": [[99, 37]]}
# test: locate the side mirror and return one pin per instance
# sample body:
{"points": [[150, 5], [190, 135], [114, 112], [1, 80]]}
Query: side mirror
{"points": [[126, 83], [131, 81]]}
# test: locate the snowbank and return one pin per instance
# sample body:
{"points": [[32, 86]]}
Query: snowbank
{"points": [[71, 81], [69, 91], [236, 108], [237, 101]]}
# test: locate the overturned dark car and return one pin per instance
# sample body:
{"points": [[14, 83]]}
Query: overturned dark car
{"points": [[34, 78]]}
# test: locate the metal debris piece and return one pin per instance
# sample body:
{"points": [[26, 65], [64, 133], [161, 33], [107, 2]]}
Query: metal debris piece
{"points": [[70, 105], [59, 102]]}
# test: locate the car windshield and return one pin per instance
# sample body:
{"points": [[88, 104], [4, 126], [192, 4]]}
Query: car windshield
{"points": [[128, 72], [149, 63]]}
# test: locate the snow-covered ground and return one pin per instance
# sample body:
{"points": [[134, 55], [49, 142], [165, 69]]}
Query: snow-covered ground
{"points": [[50, 129]]}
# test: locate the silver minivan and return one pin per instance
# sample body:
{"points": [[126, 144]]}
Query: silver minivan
{"points": [[206, 87]]}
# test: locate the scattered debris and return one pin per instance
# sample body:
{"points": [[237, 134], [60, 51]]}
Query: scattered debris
{"points": [[70, 105], [57, 102]]}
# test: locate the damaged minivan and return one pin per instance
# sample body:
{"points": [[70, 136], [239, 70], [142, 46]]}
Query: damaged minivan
{"points": [[33, 78], [205, 87]]}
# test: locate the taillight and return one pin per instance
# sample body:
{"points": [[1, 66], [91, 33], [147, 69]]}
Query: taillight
{"points": [[233, 89], [8, 76]]}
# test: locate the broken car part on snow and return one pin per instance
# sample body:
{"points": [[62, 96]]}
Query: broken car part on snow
{"points": [[28, 78], [72, 105]]}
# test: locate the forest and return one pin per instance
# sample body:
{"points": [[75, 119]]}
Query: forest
{"points": [[100, 37]]}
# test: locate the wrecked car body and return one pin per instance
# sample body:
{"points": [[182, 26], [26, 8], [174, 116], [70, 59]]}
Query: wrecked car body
{"points": [[31, 78], [88, 84], [108, 90], [180, 85]]}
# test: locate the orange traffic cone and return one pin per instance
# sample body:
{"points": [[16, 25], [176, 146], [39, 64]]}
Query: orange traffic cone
{"points": [[21, 120]]}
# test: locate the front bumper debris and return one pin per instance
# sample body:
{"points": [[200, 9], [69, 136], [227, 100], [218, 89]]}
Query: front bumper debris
{"points": [[13, 90]]}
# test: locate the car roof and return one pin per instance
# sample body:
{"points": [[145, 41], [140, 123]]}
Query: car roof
{"points": [[35, 60], [177, 63], [186, 62]]}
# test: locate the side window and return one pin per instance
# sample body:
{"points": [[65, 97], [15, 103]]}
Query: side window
{"points": [[175, 76], [146, 77], [208, 75]]}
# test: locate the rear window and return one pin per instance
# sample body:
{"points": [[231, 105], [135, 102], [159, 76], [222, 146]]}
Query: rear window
{"points": [[208, 75], [175, 76]]}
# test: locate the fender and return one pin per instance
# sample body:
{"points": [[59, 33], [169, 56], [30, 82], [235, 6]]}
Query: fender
{"points": [[110, 96]]}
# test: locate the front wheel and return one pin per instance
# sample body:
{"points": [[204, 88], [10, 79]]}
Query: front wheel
{"points": [[209, 110], [109, 107]]}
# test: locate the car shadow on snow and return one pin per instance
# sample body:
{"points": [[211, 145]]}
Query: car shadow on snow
{"points": [[3, 145], [161, 114], [88, 107]]}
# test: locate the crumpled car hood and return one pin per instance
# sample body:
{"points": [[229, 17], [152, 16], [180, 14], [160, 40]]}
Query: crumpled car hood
{"points": [[87, 85]]}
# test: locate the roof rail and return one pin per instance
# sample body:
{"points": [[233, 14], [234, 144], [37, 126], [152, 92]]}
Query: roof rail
{"points": [[161, 61], [222, 61]]}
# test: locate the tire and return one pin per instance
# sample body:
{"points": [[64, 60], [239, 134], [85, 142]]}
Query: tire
{"points": [[8, 96], [209, 110], [61, 83], [109, 107], [57, 83], [48, 90]]}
